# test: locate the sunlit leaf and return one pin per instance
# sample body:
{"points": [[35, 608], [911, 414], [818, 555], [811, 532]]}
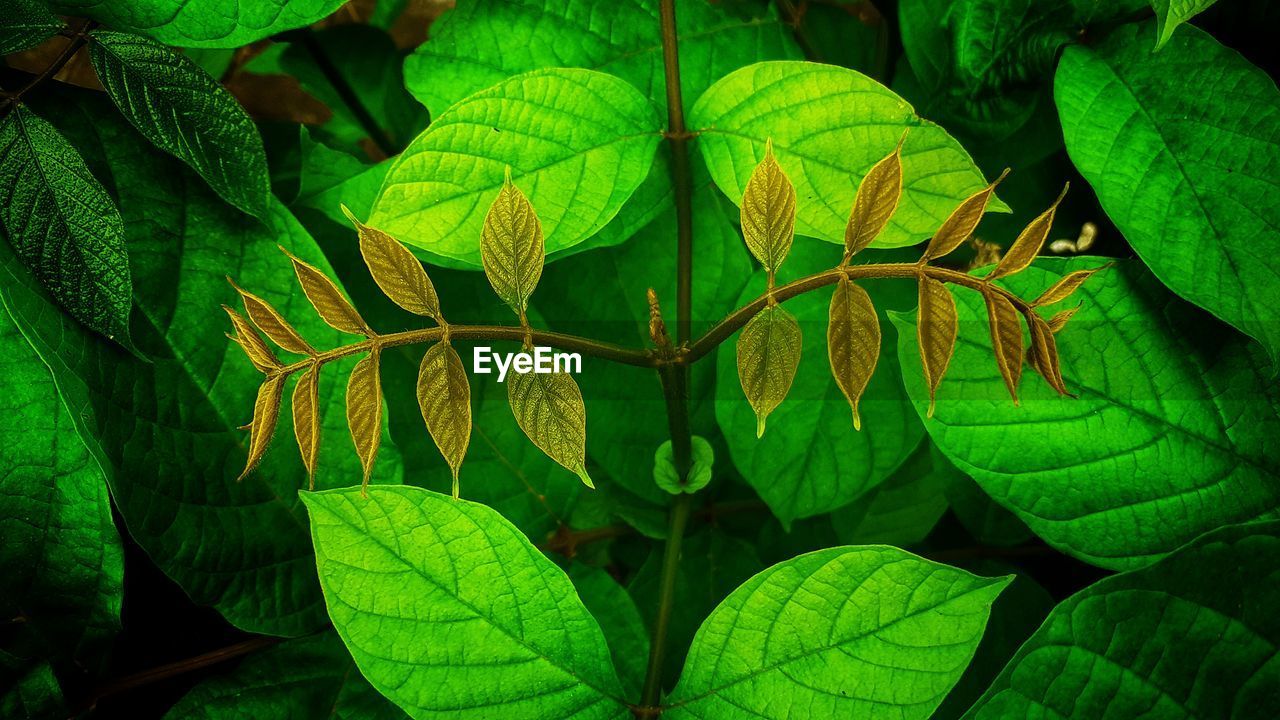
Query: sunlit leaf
{"points": [[511, 247], [364, 410], [306, 420], [266, 411], [251, 343], [549, 409], [768, 356], [396, 270], [875, 202], [1063, 289], [272, 323], [960, 224], [936, 330], [1027, 246], [444, 396], [769, 212], [1005, 324], [853, 342], [330, 304], [202, 23]]}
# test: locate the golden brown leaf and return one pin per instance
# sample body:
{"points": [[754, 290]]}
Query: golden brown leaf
{"points": [[272, 323], [511, 247], [1059, 321], [1006, 339], [330, 304], [853, 342], [364, 411], [959, 226], [444, 396], [769, 212], [266, 411], [548, 408], [1027, 246], [396, 270], [875, 203], [306, 420], [1063, 289], [1043, 354], [252, 345], [936, 328], [768, 356]]}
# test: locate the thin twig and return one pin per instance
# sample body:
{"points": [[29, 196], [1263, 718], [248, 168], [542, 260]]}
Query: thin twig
{"points": [[77, 40]]}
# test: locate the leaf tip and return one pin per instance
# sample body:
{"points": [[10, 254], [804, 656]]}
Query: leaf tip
{"points": [[350, 215], [586, 479], [759, 426]]}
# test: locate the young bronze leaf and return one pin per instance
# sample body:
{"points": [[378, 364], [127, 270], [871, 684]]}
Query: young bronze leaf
{"points": [[853, 342], [252, 345], [1006, 339], [769, 212], [936, 332], [266, 411], [1027, 246], [874, 204], [1062, 289], [961, 223], [306, 420], [364, 411], [511, 247], [396, 270], [444, 395], [768, 356], [548, 408], [1059, 321], [1043, 354], [330, 304], [272, 323]]}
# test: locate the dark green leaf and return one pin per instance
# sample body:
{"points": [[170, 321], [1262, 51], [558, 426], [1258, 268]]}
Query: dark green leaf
{"points": [[25, 24], [611, 606]]}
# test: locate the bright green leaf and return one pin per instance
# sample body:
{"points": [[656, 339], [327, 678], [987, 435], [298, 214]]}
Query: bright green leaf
{"points": [[1191, 183], [451, 612], [554, 129], [869, 632], [202, 23], [1193, 636], [1172, 13], [667, 476], [185, 112], [1170, 436], [63, 225], [789, 102]]}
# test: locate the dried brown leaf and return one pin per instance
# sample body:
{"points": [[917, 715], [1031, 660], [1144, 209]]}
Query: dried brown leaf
{"points": [[266, 411], [396, 270], [306, 420], [853, 342], [768, 356], [936, 328], [769, 212], [1027, 246], [1006, 338], [1063, 289], [330, 304], [364, 411], [1043, 354], [272, 323], [251, 343], [444, 396], [875, 203], [959, 226], [511, 247], [548, 408]]}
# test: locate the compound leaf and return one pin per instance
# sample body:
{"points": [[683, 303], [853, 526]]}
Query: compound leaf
{"points": [[853, 341], [936, 329], [266, 412], [549, 409], [364, 410], [875, 202], [444, 396], [330, 304], [768, 356], [769, 212], [1005, 324], [451, 612], [306, 420], [512, 248], [397, 272], [960, 224], [272, 324], [1028, 243]]}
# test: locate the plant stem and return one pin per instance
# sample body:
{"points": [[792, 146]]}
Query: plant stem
{"points": [[77, 41], [345, 92], [652, 691], [678, 136]]}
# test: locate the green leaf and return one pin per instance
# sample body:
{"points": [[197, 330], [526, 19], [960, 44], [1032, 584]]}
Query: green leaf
{"points": [[202, 23], [311, 677], [812, 460], [768, 355], [553, 129], [166, 432], [786, 101], [34, 694], [903, 509], [1170, 435], [1190, 184], [667, 476], [986, 520], [1194, 635], [61, 562], [869, 632], [1172, 13], [61, 222], [450, 611], [25, 24], [620, 621], [185, 112], [331, 178]]}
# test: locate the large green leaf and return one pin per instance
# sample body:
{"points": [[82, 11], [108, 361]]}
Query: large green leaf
{"points": [[63, 225], [811, 460], [869, 632], [311, 677], [185, 112], [578, 144], [165, 432], [1193, 636], [449, 610], [61, 563], [1191, 184], [903, 509], [24, 24], [826, 149], [1171, 434], [202, 23], [611, 606]]}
